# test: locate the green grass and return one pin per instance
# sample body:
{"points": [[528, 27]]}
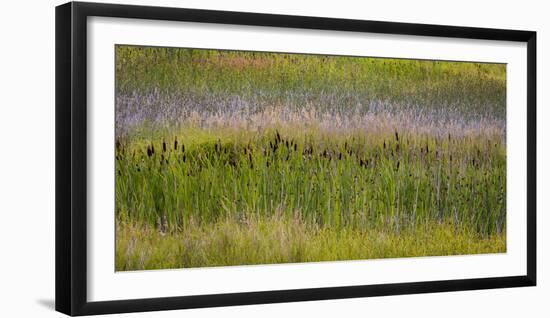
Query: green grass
{"points": [[341, 181], [278, 239], [233, 158], [294, 79]]}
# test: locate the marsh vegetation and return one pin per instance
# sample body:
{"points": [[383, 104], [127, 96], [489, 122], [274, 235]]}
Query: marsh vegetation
{"points": [[232, 158]]}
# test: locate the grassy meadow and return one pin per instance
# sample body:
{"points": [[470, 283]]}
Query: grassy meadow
{"points": [[236, 158]]}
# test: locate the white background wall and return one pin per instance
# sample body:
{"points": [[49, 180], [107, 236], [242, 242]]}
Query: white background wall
{"points": [[27, 158]]}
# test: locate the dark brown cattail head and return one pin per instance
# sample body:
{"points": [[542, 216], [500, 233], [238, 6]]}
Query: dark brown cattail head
{"points": [[182, 148], [396, 136], [149, 152], [163, 146], [175, 143], [152, 149]]}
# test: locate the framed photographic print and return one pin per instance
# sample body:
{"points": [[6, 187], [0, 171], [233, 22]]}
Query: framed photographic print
{"points": [[208, 158]]}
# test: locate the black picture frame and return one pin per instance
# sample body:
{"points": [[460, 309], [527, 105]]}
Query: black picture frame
{"points": [[71, 157]]}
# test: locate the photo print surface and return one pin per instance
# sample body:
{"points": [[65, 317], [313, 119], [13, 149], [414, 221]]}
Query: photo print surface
{"points": [[241, 158]]}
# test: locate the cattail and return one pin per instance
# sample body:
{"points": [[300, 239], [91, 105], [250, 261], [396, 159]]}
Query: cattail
{"points": [[396, 136], [398, 165], [295, 147], [182, 148], [152, 149], [175, 143], [384, 144], [163, 146], [149, 152]]}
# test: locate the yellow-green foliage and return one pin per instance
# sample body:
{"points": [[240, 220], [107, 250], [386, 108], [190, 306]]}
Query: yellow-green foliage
{"points": [[278, 239]]}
